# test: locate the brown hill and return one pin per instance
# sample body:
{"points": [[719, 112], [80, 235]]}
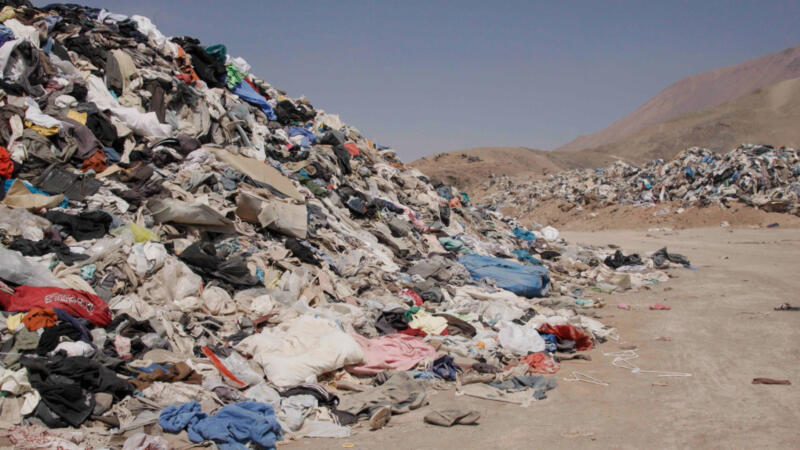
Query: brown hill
{"points": [[467, 168], [697, 92], [769, 115]]}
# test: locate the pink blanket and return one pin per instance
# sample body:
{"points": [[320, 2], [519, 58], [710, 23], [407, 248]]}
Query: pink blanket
{"points": [[391, 352]]}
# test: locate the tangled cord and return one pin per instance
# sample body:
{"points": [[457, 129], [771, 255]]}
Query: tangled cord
{"points": [[623, 359], [580, 376]]}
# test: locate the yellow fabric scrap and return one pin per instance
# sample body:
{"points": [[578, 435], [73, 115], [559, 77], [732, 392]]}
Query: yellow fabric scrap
{"points": [[77, 116], [14, 321], [46, 132]]}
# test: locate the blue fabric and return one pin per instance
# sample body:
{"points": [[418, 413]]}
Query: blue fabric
{"points": [[550, 341], [524, 234], [523, 255], [111, 155], [52, 20], [173, 419], [526, 281], [231, 428], [151, 368], [423, 375], [64, 316], [47, 47], [33, 189], [6, 34], [248, 94], [308, 137], [445, 367]]}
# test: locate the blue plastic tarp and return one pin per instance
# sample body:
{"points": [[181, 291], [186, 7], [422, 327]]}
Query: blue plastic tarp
{"points": [[524, 255], [524, 234], [308, 137], [248, 94], [526, 281]]}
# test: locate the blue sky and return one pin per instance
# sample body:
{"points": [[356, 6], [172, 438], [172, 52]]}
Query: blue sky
{"points": [[428, 76]]}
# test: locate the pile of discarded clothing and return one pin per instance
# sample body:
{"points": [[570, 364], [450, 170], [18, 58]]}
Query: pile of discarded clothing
{"points": [[759, 176], [190, 255]]}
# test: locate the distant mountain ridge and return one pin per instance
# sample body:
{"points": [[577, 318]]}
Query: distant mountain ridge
{"points": [[763, 108], [697, 92]]}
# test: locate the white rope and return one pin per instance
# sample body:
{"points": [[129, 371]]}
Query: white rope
{"points": [[580, 376], [623, 359]]}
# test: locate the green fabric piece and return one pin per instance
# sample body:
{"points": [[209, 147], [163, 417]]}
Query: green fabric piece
{"points": [[23, 340], [217, 51], [234, 77], [454, 245], [315, 189], [411, 312]]}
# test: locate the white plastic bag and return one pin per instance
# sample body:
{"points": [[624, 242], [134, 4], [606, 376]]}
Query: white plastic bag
{"points": [[146, 258], [520, 340], [18, 269], [242, 370], [549, 233], [18, 221]]}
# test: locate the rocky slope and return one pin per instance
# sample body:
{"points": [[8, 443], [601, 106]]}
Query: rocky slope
{"points": [[697, 92]]}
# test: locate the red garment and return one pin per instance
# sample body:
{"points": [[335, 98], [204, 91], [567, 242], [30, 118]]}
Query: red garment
{"points": [[582, 340], [250, 82], [351, 148], [76, 303], [97, 161], [540, 363], [185, 77], [6, 164], [419, 333], [414, 332], [411, 295]]}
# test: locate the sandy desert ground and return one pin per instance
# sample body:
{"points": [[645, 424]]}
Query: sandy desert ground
{"points": [[723, 331]]}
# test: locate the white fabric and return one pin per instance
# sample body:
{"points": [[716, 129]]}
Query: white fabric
{"points": [[22, 31], [175, 281], [5, 52], [107, 15], [145, 124], [298, 350], [147, 257], [331, 121], [520, 340], [218, 301], [240, 64], [35, 115], [147, 28], [549, 233], [78, 348], [16, 383]]}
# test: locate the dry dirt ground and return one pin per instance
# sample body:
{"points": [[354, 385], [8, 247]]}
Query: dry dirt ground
{"points": [[723, 331], [663, 215]]}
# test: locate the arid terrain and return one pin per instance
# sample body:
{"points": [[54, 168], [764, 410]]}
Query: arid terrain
{"points": [[756, 101], [722, 330], [697, 92]]}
